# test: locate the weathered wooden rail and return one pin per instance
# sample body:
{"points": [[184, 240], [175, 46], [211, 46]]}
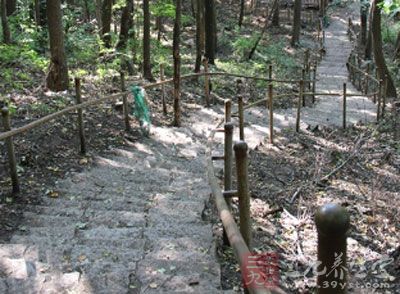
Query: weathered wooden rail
{"points": [[332, 221]]}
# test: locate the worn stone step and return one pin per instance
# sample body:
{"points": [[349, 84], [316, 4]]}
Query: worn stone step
{"points": [[16, 251], [19, 268], [47, 283], [99, 218], [176, 275]]}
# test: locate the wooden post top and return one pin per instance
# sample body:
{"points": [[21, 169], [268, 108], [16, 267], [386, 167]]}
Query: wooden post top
{"points": [[332, 220], [228, 127], [240, 148]]}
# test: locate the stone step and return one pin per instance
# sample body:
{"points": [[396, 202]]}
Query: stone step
{"points": [[90, 219], [46, 283], [17, 251], [19, 268], [83, 257]]}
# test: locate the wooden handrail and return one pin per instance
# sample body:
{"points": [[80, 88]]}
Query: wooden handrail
{"points": [[236, 240], [363, 72], [86, 104]]}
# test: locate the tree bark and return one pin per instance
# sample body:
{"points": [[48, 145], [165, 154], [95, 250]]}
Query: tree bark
{"points": [[177, 64], [126, 24], [200, 33], [146, 41], [363, 19], [296, 23], [11, 7], [241, 14], [397, 48], [4, 23], [98, 5], [275, 16], [210, 31], [57, 78], [368, 45], [378, 49], [106, 15]]}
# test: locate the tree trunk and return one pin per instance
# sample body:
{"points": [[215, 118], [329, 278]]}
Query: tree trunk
{"points": [[368, 45], [210, 31], [98, 5], [378, 50], [397, 48], [363, 19], [106, 15], [87, 11], [57, 78], [126, 24], [275, 16], [11, 7], [146, 41], [241, 14], [4, 23], [177, 64], [296, 23], [200, 33]]}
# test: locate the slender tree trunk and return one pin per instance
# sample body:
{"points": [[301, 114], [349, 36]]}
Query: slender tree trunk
{"points": [[98, 5], [363, 19], [57, 78], [275, 16], [4, 23], [241, 14], [397, 48], [11, 6], [126, 24], [146, 41], [87, 11], [210, 31], [106, 15], [378, 48], [368, 45], [200, 33], [177, 64], [296, 22]]}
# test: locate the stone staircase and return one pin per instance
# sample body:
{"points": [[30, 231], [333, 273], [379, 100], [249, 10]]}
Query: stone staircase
{"points": [[130, 224]]}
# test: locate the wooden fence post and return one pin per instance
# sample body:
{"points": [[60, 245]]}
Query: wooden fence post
{"points": [[385, 85], [366, 82], [164, 105], [206, 82], [228, 110], [332, 223], [125, 103], [10, 151], [344, 104], [378, 111], [396, 112], [241, 118], [303, 78], [78, 97], [360, 76], [228, 162], [243, 191], [271, 113], [314, 83], [299, 105]]}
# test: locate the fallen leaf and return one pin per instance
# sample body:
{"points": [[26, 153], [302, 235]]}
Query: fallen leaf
{"points": [[153, 285], [83, 161], [82, 258]]}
